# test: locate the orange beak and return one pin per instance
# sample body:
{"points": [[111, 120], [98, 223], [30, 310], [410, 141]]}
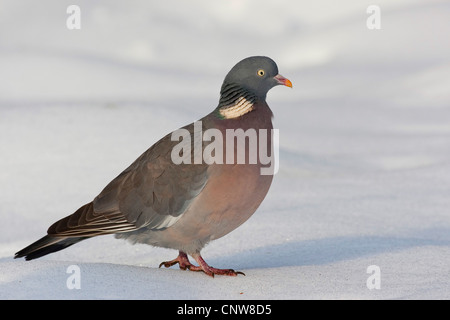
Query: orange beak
{"points": [[282, 80]]}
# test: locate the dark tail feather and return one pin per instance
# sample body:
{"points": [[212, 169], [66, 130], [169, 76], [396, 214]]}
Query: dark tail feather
{"points": [[46, 245]]}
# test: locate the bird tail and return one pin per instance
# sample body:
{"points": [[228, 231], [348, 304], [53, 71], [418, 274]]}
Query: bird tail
{"points": [[46, 245]]}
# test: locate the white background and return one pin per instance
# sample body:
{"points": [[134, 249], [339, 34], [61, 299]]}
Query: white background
{"points": [[364, 173]]}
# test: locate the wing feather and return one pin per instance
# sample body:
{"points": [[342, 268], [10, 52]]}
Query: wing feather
{"points": [[152, 192]]}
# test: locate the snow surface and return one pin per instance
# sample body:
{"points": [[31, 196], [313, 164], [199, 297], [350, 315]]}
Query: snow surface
{"points": [[364, 173]]}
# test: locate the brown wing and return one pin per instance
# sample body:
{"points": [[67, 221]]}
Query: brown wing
{"points": [[152, 192]]}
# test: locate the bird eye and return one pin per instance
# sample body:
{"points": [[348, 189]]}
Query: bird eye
{"points": [[261, 72]]}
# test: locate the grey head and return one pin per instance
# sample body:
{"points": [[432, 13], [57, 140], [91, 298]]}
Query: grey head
{"points": [[255, 76]]}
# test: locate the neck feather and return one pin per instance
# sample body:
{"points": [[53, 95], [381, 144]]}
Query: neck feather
{"points": [[235, 101]]}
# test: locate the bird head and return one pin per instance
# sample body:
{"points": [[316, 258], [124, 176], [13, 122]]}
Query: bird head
{"points": [[257, 75]]}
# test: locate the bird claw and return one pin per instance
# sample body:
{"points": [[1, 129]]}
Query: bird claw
{"points": [[168, 264], [210, 271], [183, 261], [223, 272]]}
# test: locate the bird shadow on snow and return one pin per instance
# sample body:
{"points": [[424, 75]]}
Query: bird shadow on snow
{"points": [[328, 250]]}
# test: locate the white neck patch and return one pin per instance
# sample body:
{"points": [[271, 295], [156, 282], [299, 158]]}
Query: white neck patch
{"points": [[240, 107]]}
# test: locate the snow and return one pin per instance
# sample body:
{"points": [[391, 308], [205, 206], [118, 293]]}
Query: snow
{"points": [[364, 174]]}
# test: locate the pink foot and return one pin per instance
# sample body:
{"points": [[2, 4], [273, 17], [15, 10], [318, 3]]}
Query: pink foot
{"points": [[182, 260], [184, 264], [210, 271]]}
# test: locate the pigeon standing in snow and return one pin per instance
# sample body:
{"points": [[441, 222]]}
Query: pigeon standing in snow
{"points": [[183, 205]]}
